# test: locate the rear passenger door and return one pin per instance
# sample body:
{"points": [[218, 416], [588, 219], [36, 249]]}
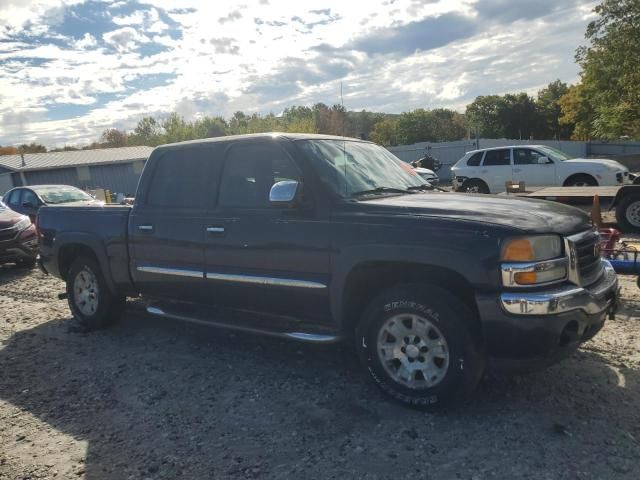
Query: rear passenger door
{"points": [[167, 224], [496, 169]]}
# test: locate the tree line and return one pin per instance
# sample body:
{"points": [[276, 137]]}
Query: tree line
{"points": [[604, 104]]}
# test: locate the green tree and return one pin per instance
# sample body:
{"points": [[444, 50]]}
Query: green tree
{"points": [[483, 116], [32, 148], [610, 69], [385, 132], [576, 113], [549, 111], [113, 138]]}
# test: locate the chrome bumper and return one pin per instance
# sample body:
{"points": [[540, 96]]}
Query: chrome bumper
{"points": [[592, 300]]}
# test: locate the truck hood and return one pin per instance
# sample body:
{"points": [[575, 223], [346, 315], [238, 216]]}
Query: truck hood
{"points": [[605, 162], [528, 215]]}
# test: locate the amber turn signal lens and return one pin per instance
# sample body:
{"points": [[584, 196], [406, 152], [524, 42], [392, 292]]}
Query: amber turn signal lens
{"points": [[519, 250], [526, 278]]}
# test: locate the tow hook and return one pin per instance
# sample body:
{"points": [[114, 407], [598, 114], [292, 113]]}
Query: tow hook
{"points": [[63, 296]]}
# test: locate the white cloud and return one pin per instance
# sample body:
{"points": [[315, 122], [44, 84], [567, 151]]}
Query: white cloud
{"points": [[260, 59], [124, 39]]}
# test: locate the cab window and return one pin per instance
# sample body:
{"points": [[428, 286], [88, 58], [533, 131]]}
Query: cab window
{"points": [[526, 156], [497, 157]]}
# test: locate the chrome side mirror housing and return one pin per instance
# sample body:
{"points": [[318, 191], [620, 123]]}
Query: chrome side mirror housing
{"points": [[284, 192]]}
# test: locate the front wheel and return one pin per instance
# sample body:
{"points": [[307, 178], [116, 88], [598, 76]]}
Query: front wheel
{"points": [[418, 345], [89, 297]]}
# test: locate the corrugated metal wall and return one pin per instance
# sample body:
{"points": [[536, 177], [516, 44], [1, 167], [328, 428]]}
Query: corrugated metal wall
{"points": [[118, 177], [58, 176]]}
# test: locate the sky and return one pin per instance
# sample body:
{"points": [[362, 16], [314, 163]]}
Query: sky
{"points": [[69, 69]]}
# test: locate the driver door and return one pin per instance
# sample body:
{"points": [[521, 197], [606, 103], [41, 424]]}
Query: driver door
{"points": [[533, 168]]}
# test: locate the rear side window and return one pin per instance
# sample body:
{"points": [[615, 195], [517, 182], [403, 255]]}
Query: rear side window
{"points": [[497, 157], [181, 178], [475, 159]]}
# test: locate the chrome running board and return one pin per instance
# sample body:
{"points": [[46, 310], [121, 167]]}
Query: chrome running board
{"points": [[307, 337]]}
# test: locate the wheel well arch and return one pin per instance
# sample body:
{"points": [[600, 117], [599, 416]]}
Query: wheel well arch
{"points": [[574, 175], [366, 280], [69, 252]]}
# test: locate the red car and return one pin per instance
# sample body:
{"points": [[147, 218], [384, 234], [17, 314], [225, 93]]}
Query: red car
{"points": [[18, 238]]}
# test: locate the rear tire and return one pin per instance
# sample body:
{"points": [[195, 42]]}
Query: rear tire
{"points": [[474, 185], [93, 305], [417, 343], [628, 213], [581, 180]]}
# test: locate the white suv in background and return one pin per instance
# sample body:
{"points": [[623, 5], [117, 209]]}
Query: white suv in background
{"points": [[487, 170]]}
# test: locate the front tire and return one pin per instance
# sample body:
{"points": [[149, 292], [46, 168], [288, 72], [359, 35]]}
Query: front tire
{"points": [[417, 343], [89, 297]]}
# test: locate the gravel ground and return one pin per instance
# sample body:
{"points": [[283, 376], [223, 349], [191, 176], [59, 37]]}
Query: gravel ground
{"points": [[156, 399]]}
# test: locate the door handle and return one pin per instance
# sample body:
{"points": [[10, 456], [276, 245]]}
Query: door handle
{"points": [[517, 169], [147, 228], [215, 229]]}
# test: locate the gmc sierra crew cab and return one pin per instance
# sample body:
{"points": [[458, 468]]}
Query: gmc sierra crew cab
{"points": [[321, 239]]}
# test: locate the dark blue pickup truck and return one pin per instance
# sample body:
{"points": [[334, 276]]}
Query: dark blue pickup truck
{"points": [[321, 239]]}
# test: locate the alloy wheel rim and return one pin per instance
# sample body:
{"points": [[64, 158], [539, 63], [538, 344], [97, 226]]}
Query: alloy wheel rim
{"points": [[413, 351], [85, 292], [633, 214]]}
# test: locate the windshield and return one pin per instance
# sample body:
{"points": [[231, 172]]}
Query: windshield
{"points": [[353, 168], [63, 195], [555, 153]]}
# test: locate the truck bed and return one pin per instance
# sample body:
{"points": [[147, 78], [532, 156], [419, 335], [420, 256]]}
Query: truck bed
{"points": [[104, 228]]}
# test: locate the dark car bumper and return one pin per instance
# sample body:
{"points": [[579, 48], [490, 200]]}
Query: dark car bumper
{"points": [[528, 330], [24, 246]]}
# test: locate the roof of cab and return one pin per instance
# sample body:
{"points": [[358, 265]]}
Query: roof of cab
{"points": [[288, 136]]}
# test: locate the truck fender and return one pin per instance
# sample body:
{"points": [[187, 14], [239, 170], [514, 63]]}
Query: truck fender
{"points": [[93, 243]]}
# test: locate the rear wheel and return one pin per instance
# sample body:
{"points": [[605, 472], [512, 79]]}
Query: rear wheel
{"points": [[628, 213], [581, 180], [89, 297], [417, 343], [474, 185]]}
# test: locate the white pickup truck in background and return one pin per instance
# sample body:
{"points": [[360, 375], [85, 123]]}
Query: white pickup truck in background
{"points": [[487, 170]]}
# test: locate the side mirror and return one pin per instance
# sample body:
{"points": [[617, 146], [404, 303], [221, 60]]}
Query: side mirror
{"points": [[543, 160], [28, 205], [284, 192]]}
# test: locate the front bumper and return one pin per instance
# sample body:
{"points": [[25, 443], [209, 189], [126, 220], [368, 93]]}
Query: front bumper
{"points": [[528, 330], [592, 300], [24, 246]]}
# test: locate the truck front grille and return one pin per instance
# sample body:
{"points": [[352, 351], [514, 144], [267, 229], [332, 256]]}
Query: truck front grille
{"points": [[7, 234], [584, 256]]}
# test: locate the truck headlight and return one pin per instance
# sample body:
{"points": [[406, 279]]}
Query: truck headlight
{"points": [[532, 249], [533, 260]]}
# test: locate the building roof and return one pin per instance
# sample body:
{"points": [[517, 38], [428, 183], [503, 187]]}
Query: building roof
{"points": [[50, 160]]}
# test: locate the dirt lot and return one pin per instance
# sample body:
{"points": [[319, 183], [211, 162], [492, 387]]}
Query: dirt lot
{"points": [[156, 399]]}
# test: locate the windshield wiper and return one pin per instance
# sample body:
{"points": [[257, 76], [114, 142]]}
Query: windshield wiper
{"points": [[373, 191]]}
